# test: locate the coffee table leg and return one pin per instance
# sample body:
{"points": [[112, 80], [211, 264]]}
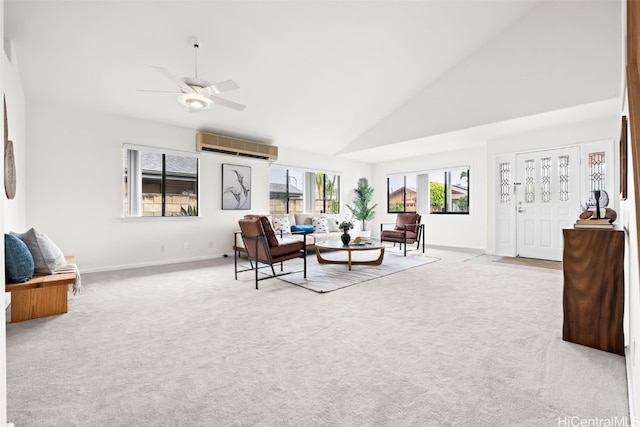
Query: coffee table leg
{"points": [[349, 258]]}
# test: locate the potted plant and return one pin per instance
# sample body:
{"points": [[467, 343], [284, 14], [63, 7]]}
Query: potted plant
{"points": [[362, 209]]}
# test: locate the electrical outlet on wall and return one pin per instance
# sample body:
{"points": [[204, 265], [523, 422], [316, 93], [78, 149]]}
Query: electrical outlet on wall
{"points": [[186, 245]]}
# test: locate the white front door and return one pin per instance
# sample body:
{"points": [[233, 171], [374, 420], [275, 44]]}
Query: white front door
{"points": [[547, 200]]}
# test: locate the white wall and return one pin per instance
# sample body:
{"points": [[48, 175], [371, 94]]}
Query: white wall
{"points": [[75, 189], [465, 231]]}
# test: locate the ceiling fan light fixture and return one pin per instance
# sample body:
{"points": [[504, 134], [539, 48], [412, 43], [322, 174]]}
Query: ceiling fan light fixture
{"points": [[195, 101]]}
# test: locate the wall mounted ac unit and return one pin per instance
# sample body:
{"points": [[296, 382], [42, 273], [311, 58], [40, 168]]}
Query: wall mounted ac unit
{"points": [[235, 146]]}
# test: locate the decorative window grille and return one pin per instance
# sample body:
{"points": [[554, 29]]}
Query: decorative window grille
{"points": [[529, 181], [545, 179], [563, 176], [505, 182], [597, 168]]}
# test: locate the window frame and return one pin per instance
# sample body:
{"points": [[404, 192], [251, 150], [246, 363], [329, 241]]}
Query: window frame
{"points": [[404, 194], [134, 212], [309, 189], [323, 196], [447, 184]]}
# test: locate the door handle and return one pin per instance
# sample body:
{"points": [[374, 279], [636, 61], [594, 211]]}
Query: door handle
{"points": [[520, 209]]}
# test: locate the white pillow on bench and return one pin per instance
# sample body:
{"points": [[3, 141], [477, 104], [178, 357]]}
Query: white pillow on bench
{"points": [[46, 254]]}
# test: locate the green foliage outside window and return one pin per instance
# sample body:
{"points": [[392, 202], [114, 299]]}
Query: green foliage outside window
{"points": [[436, 196], [396, 207], [463, 204], [329, 189]]}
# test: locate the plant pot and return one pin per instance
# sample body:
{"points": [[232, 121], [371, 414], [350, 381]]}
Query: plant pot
{"points": [[365, 233], [346, 238]]}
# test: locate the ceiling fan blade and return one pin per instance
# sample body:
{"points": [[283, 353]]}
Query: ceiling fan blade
{"points": [[183, 86], [225, 86], [227, 103]]}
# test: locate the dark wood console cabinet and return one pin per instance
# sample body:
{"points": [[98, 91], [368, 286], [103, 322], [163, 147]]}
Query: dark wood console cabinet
{"points": [[593, 297]]}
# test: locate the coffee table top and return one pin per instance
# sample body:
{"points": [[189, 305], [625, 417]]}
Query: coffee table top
{"points": [[337, 245]]}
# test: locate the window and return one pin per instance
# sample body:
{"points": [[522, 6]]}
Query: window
{"points": [[298, 191], [327, 195], [286, 191], [449, 191], [402, 193], [159, 183]]}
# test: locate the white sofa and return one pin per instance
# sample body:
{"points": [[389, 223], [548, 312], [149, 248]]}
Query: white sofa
{"points": [[293, 220]]}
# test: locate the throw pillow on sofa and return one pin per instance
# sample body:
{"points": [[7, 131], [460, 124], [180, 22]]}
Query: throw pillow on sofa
{"points": [[320, 224], [281, 224], [18, 262], [306, 228], [332, 224]]}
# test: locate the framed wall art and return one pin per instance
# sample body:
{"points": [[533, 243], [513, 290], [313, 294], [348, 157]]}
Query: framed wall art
{"points": [[236, 187]]}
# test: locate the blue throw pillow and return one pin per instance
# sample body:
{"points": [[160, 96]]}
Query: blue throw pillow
{"points": [[18, 261], [305, 228]]}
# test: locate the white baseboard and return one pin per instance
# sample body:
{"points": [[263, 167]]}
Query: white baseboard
{"points": [[628, 357], [152, 263]]}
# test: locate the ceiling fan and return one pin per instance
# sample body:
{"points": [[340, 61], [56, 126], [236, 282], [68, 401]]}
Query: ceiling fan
{"points": [[198, 94]]}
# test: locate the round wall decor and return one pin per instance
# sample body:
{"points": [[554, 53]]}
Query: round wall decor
{"points": [[9, 160], [9, 170]]}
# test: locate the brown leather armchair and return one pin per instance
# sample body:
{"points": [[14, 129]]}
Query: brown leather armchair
{"points": [[264, 247], [407, 230]]}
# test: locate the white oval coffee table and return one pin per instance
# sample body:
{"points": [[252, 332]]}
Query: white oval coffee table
{"points": [[336, 245]]}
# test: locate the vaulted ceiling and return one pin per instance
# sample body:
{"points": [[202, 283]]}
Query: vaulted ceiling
{"points": [[357, 78]]}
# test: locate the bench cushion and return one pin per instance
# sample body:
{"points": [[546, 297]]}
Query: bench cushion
{"points": [[18, 262]]}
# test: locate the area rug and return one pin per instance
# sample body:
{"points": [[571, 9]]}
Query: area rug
{"points": [[331, 277]]}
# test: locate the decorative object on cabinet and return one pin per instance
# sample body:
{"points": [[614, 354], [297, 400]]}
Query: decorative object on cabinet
{"points": [[595, 214]]}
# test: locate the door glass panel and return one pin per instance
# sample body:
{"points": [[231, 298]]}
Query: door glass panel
{"points": [[596, 171], [545, 179], [563, 178], [505, 182], [529, 181]]}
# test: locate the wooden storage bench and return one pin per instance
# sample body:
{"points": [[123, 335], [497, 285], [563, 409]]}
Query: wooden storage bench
{"points": [[43, 295]]}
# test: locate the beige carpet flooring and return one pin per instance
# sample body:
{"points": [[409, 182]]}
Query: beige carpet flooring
{"points": [[450, 343]]}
